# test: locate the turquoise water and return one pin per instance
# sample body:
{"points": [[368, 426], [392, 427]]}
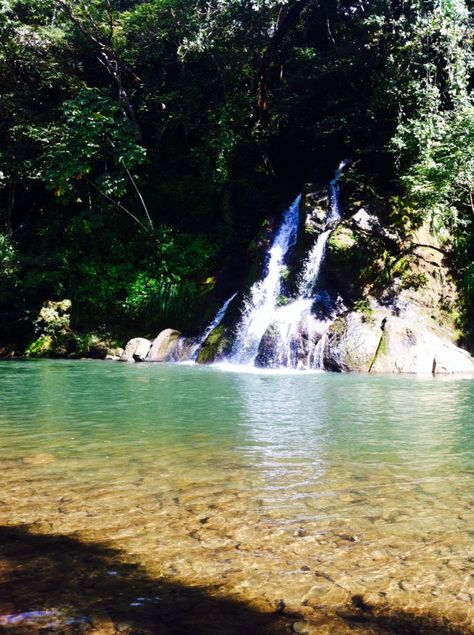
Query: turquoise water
{"points": [[309, 489]]}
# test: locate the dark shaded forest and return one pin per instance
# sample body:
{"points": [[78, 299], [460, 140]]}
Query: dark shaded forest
{"points": [[146, 145]]}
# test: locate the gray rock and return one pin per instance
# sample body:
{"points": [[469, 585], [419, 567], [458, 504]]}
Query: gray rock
{"points": [[351, 343], [364, 220], [295, 346], [136, 349], [370, 223], [163, 346], [407, 347], [385, 343]]}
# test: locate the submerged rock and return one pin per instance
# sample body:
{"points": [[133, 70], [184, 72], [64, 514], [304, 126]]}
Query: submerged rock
{"points": [[136, 349], [163, 346]]}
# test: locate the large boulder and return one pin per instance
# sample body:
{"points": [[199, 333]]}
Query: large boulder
{"points": [[351, 343], [381, 342], [136, 350], [163, 346], [408, 348]]}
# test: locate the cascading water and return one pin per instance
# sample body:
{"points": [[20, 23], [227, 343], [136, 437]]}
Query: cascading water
{"points": [[213, 325], [269, 335], [312, 266], [288, 335], [296, 326], [259, 309]]}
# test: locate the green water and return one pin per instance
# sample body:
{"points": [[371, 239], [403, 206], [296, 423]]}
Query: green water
{"points": [[256, 485]]}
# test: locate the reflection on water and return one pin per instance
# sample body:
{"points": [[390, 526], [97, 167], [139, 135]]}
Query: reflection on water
{"points": [[333, 498]]}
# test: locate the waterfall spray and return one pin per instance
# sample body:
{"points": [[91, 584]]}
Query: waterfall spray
{"points": [[259, 308], [213, 325]]}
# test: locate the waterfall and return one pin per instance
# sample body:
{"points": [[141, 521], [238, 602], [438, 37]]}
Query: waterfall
{"points": [[210, 327], [334, 211], [260, 307], [275, 330], [294, 329], [312, 266]]}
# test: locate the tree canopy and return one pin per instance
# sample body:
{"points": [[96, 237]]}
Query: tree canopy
{"points": [[144, 142]]}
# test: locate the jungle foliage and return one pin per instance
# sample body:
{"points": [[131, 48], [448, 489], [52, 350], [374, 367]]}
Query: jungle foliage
{"points": [[144, 142]]}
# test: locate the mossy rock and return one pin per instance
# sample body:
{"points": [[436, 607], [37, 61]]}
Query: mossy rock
{"points": [[352, 343], [216, 345], [93, 346], [342, 239], [51, 346], [42, 346]]}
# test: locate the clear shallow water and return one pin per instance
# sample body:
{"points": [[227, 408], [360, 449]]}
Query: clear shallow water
{"points": [[318, 502]]}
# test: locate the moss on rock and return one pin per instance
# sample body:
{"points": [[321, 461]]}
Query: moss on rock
{"points": [[215, 346]]}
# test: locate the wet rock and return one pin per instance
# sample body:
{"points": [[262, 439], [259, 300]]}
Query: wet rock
{"points": [[136, 349], [183, 349], [314, 209], [267, 356], [282, 345], [216, 346], [163, 346]]}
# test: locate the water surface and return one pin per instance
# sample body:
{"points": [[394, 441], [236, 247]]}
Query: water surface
{"points": [[327, 503]]}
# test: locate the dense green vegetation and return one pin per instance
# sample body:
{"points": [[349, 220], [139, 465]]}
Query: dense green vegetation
{"points": [[145, 143]]}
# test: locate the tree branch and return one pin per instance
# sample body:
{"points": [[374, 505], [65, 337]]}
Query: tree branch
{"points": [[139, 195], [119, 205], [107, 56], [284, 24]]}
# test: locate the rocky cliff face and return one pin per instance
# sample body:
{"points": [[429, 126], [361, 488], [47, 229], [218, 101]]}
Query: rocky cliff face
{"points": [[383, 300], [400, 298]]}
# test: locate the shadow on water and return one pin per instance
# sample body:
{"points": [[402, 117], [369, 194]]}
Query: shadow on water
{"points": [[60, 584], [64, 584]]}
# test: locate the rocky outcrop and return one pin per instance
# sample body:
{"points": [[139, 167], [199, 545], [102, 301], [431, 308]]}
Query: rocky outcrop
{"points": [[136, 350], [381, 342], [163, 346]]}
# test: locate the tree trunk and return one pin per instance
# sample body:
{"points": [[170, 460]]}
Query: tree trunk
{"points": [[9, 209], [284, 24]]}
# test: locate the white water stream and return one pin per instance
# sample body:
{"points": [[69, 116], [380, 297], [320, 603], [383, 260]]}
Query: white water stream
{"points": [[259, 308], [274, 330], [213, 325]]}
